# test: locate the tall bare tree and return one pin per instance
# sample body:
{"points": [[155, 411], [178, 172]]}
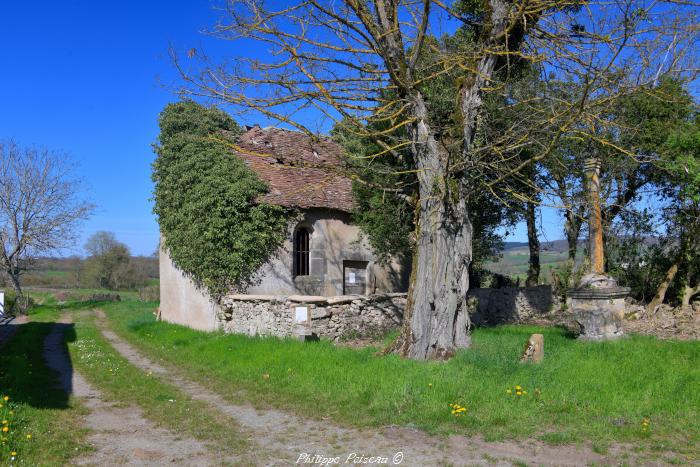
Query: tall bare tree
{"points": [[375, 62], [40, 207]]}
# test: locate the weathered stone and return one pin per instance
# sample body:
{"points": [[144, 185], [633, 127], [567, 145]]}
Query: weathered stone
{"points": [[252, 298], [534, 349], [320, 312], [342, 299], [307, 299], [598, 306], [510, 304], [275, 317]]}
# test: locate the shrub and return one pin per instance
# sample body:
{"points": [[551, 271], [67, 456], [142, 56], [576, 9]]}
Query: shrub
{"points": [[205, 198]]}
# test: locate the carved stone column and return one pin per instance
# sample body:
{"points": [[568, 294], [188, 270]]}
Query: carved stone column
{"points": [[597, 303], [595, 218]]}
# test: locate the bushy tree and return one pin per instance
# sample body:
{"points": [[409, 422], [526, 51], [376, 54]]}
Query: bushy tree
{"points": [[108, 264], [205, 200], [681, 215]]}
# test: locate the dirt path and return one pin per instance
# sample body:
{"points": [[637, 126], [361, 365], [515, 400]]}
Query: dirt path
{"points": [[120, 435], [285, 439]]}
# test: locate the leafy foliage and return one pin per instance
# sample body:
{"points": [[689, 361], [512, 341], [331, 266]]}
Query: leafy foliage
{"points": [[109, 264], [205, 200]]}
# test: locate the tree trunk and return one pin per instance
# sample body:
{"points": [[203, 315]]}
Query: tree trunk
{"points": [[436, 321], [663, 287], [688, 293], [572, 229], [533, 269], [13, 272]]}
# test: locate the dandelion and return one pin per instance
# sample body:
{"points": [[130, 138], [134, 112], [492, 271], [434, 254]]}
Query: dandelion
{"points": [[14, 453], [508, 391], [29, 436], [5, 429]]}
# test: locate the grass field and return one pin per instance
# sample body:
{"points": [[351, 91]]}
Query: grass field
{"points": [[514, 263], [43, 424], [639, 390], [599, 392]]}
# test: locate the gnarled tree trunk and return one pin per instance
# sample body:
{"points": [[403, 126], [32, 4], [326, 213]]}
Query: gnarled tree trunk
{"points": [[437, 322]]}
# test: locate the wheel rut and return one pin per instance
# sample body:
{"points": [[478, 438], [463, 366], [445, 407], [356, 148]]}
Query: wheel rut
{"points": [[283, 438], [118, 434]]}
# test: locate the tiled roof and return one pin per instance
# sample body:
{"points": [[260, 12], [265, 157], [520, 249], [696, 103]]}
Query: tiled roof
{"points": [[300, 171]]}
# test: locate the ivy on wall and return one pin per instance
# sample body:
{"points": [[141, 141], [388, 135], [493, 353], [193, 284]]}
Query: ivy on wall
{"points": [[212, 228]]}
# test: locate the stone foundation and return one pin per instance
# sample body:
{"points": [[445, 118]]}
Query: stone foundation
{"points": [[598, 305], [331, 317]]}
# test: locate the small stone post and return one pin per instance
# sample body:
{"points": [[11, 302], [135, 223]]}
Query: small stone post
{"points": [[534, 349]]}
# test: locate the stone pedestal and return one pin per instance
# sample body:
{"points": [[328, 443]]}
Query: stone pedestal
{"points": [[598, 305]]}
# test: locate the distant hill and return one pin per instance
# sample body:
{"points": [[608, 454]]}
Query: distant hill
{"points": [[559, 246], [556, 246]]}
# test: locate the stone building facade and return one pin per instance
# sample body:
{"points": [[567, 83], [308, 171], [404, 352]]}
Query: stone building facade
{"points": [[323, 255]]}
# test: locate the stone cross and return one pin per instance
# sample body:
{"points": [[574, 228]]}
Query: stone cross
{"points": [[595, 219]]}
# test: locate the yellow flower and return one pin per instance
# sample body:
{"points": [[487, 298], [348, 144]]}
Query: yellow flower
{"points": [[5, 429], [4, 422], [518, 388], [518, 393], [14, 453], [509, 391], [29, 436]]}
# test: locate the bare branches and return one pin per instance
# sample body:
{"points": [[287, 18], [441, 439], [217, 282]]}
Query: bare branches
{"points": [[39, 207]]}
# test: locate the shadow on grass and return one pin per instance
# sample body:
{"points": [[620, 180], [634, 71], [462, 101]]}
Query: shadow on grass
{"points": [[25, 375]]}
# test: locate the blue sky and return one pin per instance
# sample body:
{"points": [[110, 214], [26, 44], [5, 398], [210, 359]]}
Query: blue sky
{"points": [[89, 79]]}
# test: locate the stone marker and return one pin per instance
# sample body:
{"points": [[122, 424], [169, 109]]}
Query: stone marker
{"points": [[301, 322], [534, 350]]}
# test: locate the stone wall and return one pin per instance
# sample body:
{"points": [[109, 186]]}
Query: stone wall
{"points": [[331, 317], [511, 304], [363, 315]]}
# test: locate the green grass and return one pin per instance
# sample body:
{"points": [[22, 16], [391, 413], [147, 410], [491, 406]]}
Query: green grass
{"points": [[104, 368], [38, 408], [583, 391], [55, 421]]}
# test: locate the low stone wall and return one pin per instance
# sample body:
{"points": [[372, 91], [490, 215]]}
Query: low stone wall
{"points": [[511, 304], [357, 315], [331, 317]]}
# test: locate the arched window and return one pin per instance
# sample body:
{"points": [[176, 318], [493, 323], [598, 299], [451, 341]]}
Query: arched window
{"points": [[301, 252]]}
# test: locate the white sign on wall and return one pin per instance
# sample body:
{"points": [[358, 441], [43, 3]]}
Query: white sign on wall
{"points": [[2, 303], [301, 314], [351, 278]]}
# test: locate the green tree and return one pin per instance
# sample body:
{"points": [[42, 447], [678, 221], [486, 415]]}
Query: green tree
{"points": [[205, 200], [682, 215], [107, 264]]}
